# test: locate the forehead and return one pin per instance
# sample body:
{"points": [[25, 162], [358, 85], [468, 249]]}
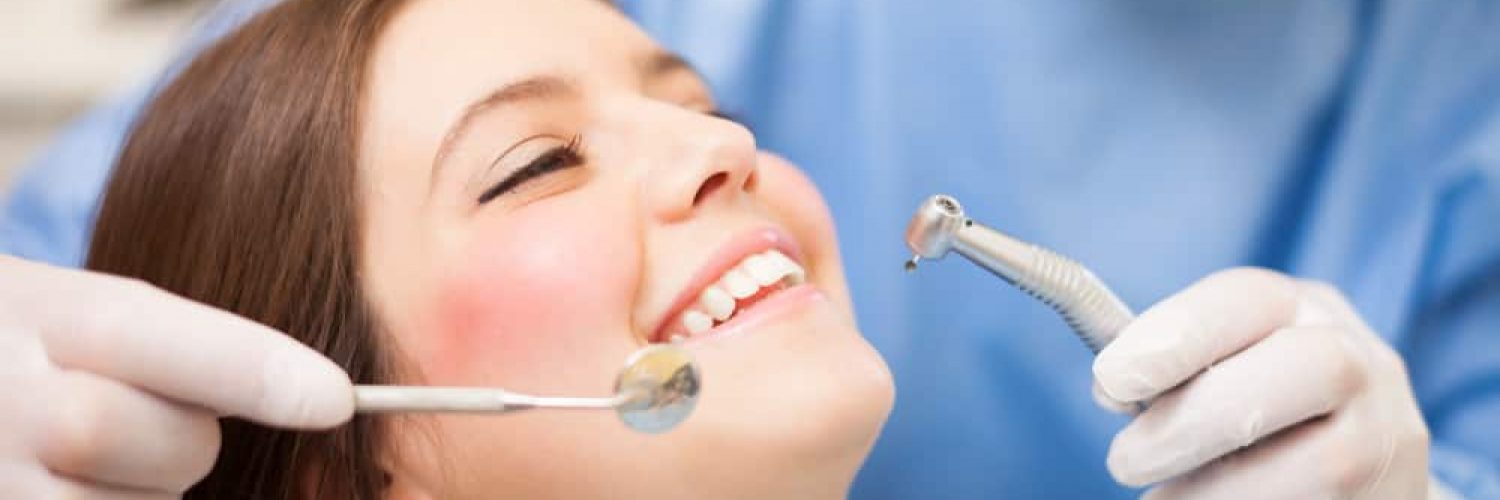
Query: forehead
{"points": [[437, 56], [518, 34]]}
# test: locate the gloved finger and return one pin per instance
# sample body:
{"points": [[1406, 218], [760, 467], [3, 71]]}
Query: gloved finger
{"points": [[1320, 299], [1109, 404], [104, 432], [29, 481], [1189, 331], [133, 332], [62, 487], [1322, 458], [23, 364], [24, 352], [1291, 376], [1276, 468]]}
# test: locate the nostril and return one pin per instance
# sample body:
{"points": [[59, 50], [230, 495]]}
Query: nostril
{"points": [[711, 184]]}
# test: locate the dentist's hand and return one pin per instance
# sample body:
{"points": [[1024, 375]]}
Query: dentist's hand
{"points": [[110, 388], [1266, 387]]}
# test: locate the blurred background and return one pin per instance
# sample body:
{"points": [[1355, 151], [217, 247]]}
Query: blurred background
{"points": [[58, 57]]}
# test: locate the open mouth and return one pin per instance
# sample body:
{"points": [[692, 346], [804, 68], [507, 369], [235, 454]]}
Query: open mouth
{"points": [[743, 285]]}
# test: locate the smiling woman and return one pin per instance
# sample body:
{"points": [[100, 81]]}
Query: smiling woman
{"points": [[498, 193]]}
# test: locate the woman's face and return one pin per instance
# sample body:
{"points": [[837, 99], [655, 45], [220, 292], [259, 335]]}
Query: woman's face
{"points": [[545, 191]]}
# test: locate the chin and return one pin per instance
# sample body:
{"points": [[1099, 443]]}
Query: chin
{"points": [[790, 408]]}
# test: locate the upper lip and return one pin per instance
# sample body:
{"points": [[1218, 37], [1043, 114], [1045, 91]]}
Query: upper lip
{"points": [[730, 253]]}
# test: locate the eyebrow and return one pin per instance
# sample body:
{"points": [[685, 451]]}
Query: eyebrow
{"points": [[530, 89], [655, 65], [659, 64]]}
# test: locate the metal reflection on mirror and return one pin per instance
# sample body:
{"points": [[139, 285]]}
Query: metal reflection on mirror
{"points": [[661, 385]]}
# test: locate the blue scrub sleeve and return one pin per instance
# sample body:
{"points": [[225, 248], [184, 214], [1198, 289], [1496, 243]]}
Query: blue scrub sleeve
{"points": [[1452, 354]]}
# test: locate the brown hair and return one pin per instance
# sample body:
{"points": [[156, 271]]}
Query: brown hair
{"points": [[237, 188]]}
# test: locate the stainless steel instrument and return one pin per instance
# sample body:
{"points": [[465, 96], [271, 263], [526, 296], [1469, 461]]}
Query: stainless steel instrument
{"points": [[655, 391], [1089, 307]]}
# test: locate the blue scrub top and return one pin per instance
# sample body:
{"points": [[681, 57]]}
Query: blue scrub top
{"points": [[1156, 141]]}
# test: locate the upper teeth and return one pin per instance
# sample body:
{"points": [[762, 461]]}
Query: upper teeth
{"points": [[717, 301]]}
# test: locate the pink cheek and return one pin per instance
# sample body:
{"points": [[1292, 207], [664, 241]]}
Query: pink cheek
{"points": [[506, 307]]}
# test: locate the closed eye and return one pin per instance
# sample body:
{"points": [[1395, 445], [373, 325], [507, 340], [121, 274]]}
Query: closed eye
{"points": [[725, 115], [555, 159]]}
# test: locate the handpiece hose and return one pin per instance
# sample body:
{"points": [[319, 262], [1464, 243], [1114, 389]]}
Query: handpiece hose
{"points": [[1089, 307]]}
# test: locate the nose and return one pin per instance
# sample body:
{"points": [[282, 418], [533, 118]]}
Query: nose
{"points": [[711, 161]]}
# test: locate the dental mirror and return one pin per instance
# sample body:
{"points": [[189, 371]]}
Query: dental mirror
{"points": [[665, 382], [655, 391]]}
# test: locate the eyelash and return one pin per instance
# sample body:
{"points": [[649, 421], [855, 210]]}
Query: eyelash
{"points": [[726, 115], [558, 158]]}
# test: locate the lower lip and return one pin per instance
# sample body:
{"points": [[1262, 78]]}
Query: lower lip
{"points": [[765, 310]]}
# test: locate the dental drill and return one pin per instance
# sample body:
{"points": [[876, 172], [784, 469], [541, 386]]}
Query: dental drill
{"points": [[1094, 312], [655, 391]]}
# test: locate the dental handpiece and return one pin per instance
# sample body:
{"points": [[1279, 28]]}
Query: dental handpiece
{"points": [[1089, 307], [655, 391]]}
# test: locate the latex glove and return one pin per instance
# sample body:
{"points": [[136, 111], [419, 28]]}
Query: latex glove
{"points": [[1263, 387], [110, 388]]}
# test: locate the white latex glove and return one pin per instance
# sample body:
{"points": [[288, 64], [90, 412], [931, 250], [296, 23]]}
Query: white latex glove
{"points": [[110, 388], [1263, 387]]}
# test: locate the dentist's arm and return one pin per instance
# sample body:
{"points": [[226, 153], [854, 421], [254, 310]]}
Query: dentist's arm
{"points": [[110, 388], [1263, 386]]}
